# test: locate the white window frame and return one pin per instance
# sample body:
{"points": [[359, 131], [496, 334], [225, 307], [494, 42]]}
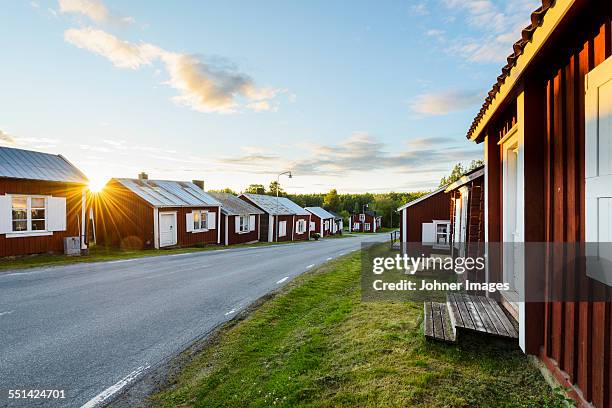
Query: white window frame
{"points": [[245, 223], [203, 214], [366, 226], [356, 226], [300, 227], [437, 234], [282, 229], [29, 230], [362, 217]]}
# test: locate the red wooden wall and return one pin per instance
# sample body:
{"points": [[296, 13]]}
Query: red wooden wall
{"points": [[368, 218], [124, 220], [435, 207], [475, 212], [573, 338], [50, 243], [577, 335], [305, 235], [185, 238], [233, 237]]}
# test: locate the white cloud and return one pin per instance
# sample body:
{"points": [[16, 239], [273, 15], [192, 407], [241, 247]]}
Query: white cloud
{"points": [[362, 153], [420, 9], [498, 26], [121, 53], [442, 103], [434, 33], [202, 86], [94, 9], [100, 149], [6, 138]]}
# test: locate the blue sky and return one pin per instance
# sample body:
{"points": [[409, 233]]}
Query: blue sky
{"points": [[354, 95]]}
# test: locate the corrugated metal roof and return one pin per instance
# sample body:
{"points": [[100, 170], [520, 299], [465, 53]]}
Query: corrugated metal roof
{"points": [[335, 214], [232, 205], [297, 210], [30, 165], [319, 212], [269, 204], [166, 193]]}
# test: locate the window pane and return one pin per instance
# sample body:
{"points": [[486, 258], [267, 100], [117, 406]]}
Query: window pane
{"points": [[38, 203], [196, 220], [20, 225], [38, 225], [38, 214], [20, 203], [20, 214], [204, 218]]}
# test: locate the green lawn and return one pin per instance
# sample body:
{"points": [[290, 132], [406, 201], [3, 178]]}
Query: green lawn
{"points": [[98, 254], [317, 345]]}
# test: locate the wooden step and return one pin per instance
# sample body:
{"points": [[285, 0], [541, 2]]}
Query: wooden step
{"points": [[438, 325], [480, 314]]}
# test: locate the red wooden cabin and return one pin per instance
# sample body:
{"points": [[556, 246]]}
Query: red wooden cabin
{"points": [[546, 132], [240, 220], [426, 220], [366, 221], [283, 220], [321, 221], [141, 213], [42, 202]]}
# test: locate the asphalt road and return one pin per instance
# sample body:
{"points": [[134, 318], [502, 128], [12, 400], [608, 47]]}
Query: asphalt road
{"points": [[91, 329]]}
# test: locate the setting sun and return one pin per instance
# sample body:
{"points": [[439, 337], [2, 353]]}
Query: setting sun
{"points": [[97, 184]]}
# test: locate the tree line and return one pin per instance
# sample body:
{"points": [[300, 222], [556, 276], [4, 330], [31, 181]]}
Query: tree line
{"points": [[384, 204]]}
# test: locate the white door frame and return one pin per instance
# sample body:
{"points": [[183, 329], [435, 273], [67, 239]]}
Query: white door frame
{"points": [[175, 235], [514, 140]]}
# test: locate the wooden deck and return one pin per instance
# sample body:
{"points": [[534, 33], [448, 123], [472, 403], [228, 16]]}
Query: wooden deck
{"points": [[480, 314]]}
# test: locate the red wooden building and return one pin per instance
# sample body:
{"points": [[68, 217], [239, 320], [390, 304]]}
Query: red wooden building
{"points": [[283, 220], [366, 221], [142, 213], [546, 132], [321, 221], [467, 208], [426, 220], [42, 202], [239, 220]]}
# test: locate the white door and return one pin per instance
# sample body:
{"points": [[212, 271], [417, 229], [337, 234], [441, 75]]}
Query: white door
{"points": [[167, 229], [512, 217], [598, 171]]}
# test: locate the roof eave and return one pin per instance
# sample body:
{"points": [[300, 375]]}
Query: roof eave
{"points": [[423, 198], [464, 180], [545, 21]]}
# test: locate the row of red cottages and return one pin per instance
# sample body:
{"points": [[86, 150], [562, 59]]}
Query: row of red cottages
{"points": [[44, 199], [546, 132]]}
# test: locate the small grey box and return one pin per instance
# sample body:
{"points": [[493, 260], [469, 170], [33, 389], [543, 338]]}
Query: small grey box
{"points": [[72, 246]]}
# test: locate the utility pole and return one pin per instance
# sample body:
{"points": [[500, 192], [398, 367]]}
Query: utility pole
{"points": [[278, 188]]}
